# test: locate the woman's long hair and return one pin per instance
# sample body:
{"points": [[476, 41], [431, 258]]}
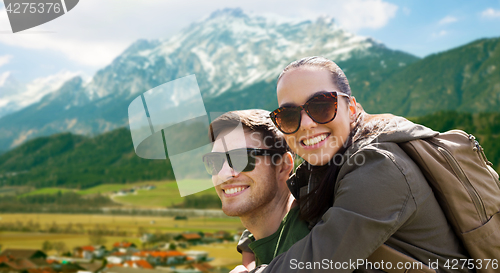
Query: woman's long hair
{"points": [[317, 201], [322, 197]]}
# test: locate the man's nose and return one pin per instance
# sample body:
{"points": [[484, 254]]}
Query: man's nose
{"points": [[226, 172]]}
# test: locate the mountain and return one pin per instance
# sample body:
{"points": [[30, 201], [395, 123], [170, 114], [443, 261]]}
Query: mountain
{"points": [[15, 95], [73, 161], [236, 58], [466, 79]]}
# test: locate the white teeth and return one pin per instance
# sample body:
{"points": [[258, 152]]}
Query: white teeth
{"points": [[314, 140], [234, 190]]}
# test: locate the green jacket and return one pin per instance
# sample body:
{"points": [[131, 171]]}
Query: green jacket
{"points": [[381, 196]]}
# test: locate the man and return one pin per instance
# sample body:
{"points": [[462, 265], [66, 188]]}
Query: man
{"points": [[250, 177]]}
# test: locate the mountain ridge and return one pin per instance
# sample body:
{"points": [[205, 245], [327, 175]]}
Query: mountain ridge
{"points": [[466, 78], [75, 161], [229, 51]]}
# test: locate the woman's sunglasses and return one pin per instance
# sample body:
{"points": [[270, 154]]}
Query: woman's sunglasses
{"points": [[321, 109], [240, 160]]}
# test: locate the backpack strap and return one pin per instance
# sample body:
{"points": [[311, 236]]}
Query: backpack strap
{"points": [[388, 254]]}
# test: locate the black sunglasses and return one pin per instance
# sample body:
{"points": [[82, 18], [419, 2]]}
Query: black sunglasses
{"points": [[240, 160], [321, 108]]}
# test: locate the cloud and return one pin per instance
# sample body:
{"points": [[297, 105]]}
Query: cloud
{"points": [[3, 77], [83, 49], [5, 59], [359, 14], [439, 34], [96, 31], [27, 94], [447, 20], [40, 87], [490, 13]]}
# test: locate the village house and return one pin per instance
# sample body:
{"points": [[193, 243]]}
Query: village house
{"points": [[223, 235], [19, 260], [120, 269], [93, 267], [138, 264], [190, 238], [124, 247], [161, 258], [89, 252], [198, 256], [118, 257]]}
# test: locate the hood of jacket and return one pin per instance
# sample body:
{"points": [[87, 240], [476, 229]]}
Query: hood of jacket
{"points": [[387, 128]]}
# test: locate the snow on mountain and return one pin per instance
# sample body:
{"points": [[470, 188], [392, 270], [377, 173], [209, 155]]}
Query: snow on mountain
{"points": [[228, 51], [15, 95]]}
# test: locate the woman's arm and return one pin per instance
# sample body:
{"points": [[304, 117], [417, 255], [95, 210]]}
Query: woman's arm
{"points": [[372, 201], [248, 260]]}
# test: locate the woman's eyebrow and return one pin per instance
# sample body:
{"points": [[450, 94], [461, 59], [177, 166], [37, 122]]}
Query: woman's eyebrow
{"points": [[288, 104]]}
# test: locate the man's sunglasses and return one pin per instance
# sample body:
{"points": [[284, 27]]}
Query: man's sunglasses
{"points": [[240, 160], [321, 108]]}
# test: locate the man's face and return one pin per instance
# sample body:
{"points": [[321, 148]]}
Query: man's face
{"points": [[245, 192]]}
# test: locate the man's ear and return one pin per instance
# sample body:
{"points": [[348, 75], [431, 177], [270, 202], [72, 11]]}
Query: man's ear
{"points": [[284, 167], [353, 109]]}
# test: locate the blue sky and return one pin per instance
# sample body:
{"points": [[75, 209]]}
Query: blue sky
{"points": [[88, 37], [426, 27]]}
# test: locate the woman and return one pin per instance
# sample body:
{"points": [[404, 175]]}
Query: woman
{"points": [[356, 188]]}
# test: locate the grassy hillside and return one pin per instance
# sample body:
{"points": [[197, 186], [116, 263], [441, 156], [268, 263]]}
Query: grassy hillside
{"points": [[106, 162], [484, 126], [465, 79], [73, 161], [162, 194]]}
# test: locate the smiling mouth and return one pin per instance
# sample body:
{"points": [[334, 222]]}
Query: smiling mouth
{"points": [[314, 140], [235, 190]]}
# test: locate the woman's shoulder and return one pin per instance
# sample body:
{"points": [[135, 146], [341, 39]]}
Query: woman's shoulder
{"points": [[382, 168]]}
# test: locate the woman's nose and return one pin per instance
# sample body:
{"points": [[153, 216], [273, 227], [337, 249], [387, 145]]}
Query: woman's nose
{"points": [[306, 122], [226, 172]]}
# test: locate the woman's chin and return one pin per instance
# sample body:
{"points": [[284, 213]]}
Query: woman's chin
{"points": [[317, 160]]}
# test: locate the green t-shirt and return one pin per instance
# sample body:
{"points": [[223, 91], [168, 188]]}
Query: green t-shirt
{"points": [[290, 231]]}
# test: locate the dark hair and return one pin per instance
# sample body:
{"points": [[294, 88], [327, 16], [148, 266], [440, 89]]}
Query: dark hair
{"points": [[338, 76], [317, 202], [321, 198], [254, 120]]}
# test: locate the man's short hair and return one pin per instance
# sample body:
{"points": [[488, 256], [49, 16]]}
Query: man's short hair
{"points": [[254, 120]]}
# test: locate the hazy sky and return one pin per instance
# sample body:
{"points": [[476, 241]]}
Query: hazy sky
{"points": [[88, 37]]}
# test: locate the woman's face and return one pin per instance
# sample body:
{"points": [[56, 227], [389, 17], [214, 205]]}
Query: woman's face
{"points": [[316, 143]]}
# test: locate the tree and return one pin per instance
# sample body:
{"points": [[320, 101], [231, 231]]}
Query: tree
{"points": [[60, 247], [47, 246], [171, 246]]}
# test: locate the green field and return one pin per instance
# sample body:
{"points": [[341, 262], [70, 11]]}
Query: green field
{"points": [[166, 194], [46, 191], [14, 190], [128, 223], [110, 188]]}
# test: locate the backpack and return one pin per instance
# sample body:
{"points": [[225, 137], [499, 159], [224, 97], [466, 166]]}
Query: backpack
{"points": [[467, 189]]}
